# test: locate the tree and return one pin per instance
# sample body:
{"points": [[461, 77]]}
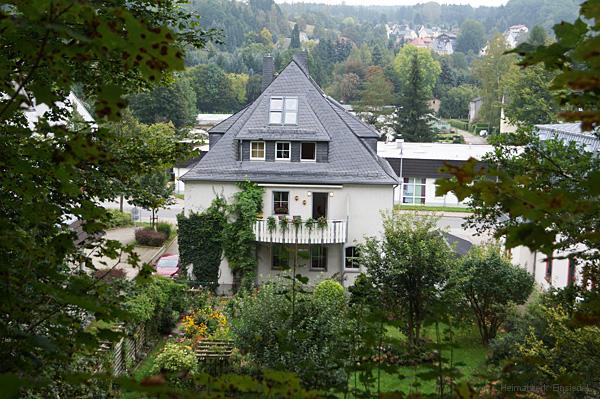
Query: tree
{"points": [[378, 89], [490, 284], [455, 101], [53, 310], [295, 41], [175, 103], [238, 83], [429, 69], [157, 194], [413, 122], [529, 98], [471, 37], [253, 88], [492, 72], [213, 90], [409, 268], [143, 149], [545, 197], [345, 88], [537, 36]]}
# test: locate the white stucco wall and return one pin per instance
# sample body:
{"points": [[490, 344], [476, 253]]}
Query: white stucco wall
{"points": [[430, 197], [535, 264], [359, 205]]}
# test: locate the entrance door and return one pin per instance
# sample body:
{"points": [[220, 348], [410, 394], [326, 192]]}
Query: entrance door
{"points": [[319, 205]]}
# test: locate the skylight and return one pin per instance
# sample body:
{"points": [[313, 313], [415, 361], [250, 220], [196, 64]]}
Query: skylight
{"points": [[283, 111]]}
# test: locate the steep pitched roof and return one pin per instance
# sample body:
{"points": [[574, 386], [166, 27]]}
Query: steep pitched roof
{"points": [[350, 160]]}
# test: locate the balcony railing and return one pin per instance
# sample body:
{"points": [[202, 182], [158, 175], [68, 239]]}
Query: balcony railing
{"points": [[333, 233]]}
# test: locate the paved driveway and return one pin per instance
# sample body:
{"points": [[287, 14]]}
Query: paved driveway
{"points": [[126, 236]]}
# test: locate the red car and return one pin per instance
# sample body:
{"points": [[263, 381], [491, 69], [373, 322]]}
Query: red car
{"points": [[168, 265]]}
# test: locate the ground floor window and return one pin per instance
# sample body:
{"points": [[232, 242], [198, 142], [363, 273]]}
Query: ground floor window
{"points": [[318, 257], [413, 190], [352, 258], [280, 258]]}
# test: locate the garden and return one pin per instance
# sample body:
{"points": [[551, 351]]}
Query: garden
{"points": [[427, 323]]}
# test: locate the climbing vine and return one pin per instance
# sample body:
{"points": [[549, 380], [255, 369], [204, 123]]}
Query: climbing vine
{"points": [[239, 245], [201, 239]]}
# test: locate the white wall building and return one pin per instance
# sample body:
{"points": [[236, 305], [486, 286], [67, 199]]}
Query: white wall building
{"points": [[418, 167], [314, 160]]}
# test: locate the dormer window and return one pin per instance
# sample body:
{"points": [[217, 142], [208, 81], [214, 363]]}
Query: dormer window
{"points": [[257, 150], [283, 111]]}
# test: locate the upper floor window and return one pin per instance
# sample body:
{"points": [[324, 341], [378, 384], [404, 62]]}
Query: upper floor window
{"points": [[283, 111], [414, 190], [308, 152], [257, 150], [282, 150], [281, 200]]}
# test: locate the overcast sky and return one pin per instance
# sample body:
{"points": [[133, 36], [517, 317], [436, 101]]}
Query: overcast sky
{"points": [[474, 3]]}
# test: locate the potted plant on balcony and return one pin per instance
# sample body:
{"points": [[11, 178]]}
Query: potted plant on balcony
{"points": [[283, 225], [271, 226], [322, 225]]}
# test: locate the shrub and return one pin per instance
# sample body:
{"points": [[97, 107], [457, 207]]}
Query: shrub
{"points": [[176, 358], [149, 237], [330, 291], [314, 342], [164, 228], [158, 303], [117, 218]]}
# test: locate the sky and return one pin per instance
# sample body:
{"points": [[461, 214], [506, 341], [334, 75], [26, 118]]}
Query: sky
{"points": [[474, 3]]}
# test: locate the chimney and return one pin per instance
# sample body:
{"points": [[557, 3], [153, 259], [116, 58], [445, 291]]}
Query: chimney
{"points": [[301, 59], [267, 71]]}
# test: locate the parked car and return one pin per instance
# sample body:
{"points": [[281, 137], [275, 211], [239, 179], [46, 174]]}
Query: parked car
{"points": [[168, 265], [483, 133]]}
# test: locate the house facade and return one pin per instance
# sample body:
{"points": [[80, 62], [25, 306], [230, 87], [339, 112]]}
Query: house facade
{"points": [[316, 162]]}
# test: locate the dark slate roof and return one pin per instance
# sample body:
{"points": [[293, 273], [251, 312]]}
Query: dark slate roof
{"points": [[283, 133], [350, 160], [223, 126], [459, 245]]}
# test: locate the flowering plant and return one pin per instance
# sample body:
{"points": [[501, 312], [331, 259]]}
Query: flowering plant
{"points": [[205, 323]]}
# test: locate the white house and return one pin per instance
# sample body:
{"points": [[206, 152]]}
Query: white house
{"points": [[314, 160], [418, 167]]}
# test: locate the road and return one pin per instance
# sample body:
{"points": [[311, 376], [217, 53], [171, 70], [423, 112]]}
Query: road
{"points": [[471, 138], [169, 214]]}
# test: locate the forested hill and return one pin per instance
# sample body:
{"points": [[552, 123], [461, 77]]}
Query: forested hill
{"points": [[528, 12]]}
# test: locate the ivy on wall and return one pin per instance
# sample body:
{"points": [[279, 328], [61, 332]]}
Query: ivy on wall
{"points": [[239, 245], [200, 240], [222, 229]]}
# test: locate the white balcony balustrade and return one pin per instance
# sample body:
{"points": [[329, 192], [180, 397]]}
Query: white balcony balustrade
{"points": [[333, 233]]}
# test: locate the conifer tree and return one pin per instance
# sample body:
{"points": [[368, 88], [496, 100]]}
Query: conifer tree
{"points": [[295, 43], [413, 123]]}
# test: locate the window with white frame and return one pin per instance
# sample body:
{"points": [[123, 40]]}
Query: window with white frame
{"points": [[352, 258], [283, 111], [282, 151], [281, 201], [413, 191], [257, 150], [308, 151]]}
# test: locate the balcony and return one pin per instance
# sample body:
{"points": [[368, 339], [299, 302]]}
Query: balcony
{"points": [[333, 233]]}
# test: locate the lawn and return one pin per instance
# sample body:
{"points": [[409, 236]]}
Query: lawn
{"points": [[145, 367], [467, 350]]}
